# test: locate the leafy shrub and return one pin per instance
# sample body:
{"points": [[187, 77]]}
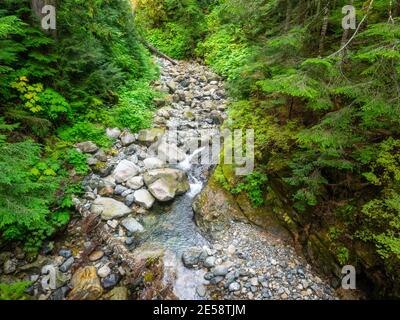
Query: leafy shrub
{"points": [[25, 197], [85, 131], [78, 160], [14, 291], [253, 185], [134, 110]]}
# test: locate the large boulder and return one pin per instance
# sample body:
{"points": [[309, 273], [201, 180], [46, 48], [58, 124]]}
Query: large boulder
{"points": [[149, 136], [85, 285], [169, 152], [163, 189], [214, 207], [113, 133], [153, 163], [125, 170], [87, 147], [135, 182], [109, 208], [143, 198], [176, 175], [165, 182], [127, 138]]}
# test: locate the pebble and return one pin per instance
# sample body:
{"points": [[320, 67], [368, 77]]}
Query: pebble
{"points": [[66, 253], [110, 281], [96, 255], [234, 286], [209, 262], [67, 264], [220, 270], [10, 266], [104, 271], [201, 290]]}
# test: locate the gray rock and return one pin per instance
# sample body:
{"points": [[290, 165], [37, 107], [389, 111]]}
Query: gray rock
{"points": [[173, 177], [110, 281], [201, 290], [230, 276], [125, 170], [143, 198], [104, 271], [10, 266], [130, 199], [101, 156], [120, 189], [163, 190], [60, 293], [216, 280], [67, 264], [220, 270], [149, 136], [209, 276], [234, 286], [87, 147], [126, 193], [127, 138], [209, 262], [153, 163], [109, 208], [191, 256], [135, 182], [92, 161], [132, 225], [113, 133], [66, 253]]}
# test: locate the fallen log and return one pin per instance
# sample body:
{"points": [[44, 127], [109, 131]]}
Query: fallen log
{"points": [[158, 52]]}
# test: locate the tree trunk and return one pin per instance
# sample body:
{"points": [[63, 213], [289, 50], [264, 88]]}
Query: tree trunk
{"points": [[288, 15], [157, 52], [324, 29]]}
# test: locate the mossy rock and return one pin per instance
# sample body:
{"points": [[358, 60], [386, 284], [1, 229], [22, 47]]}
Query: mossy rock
{"points": [[215, 207], [263, 216], [320, 254]]}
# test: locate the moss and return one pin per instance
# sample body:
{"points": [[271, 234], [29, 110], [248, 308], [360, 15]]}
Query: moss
{"points": [[148, 276]]}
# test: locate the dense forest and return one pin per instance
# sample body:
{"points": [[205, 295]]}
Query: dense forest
{"points": [[56, 90], [323, 102]]}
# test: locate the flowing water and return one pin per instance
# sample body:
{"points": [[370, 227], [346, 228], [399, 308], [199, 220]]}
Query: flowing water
{"points": [[172, 227]]}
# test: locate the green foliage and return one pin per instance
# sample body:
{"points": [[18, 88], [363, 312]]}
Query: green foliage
{"points": [[253, 185], [62, 90], [78, 160], [134, 110], [343, 255], [14, 291], [85, 131], [174, 27], [25, 196], [225, 55]]}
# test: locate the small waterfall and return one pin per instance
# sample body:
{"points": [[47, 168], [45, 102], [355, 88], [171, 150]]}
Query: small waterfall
{"points": [[195, 187], [195, 184], [186, 164]]}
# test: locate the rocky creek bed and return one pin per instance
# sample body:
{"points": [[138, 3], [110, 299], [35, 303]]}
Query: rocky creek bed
{"points": [[136, 236]]}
